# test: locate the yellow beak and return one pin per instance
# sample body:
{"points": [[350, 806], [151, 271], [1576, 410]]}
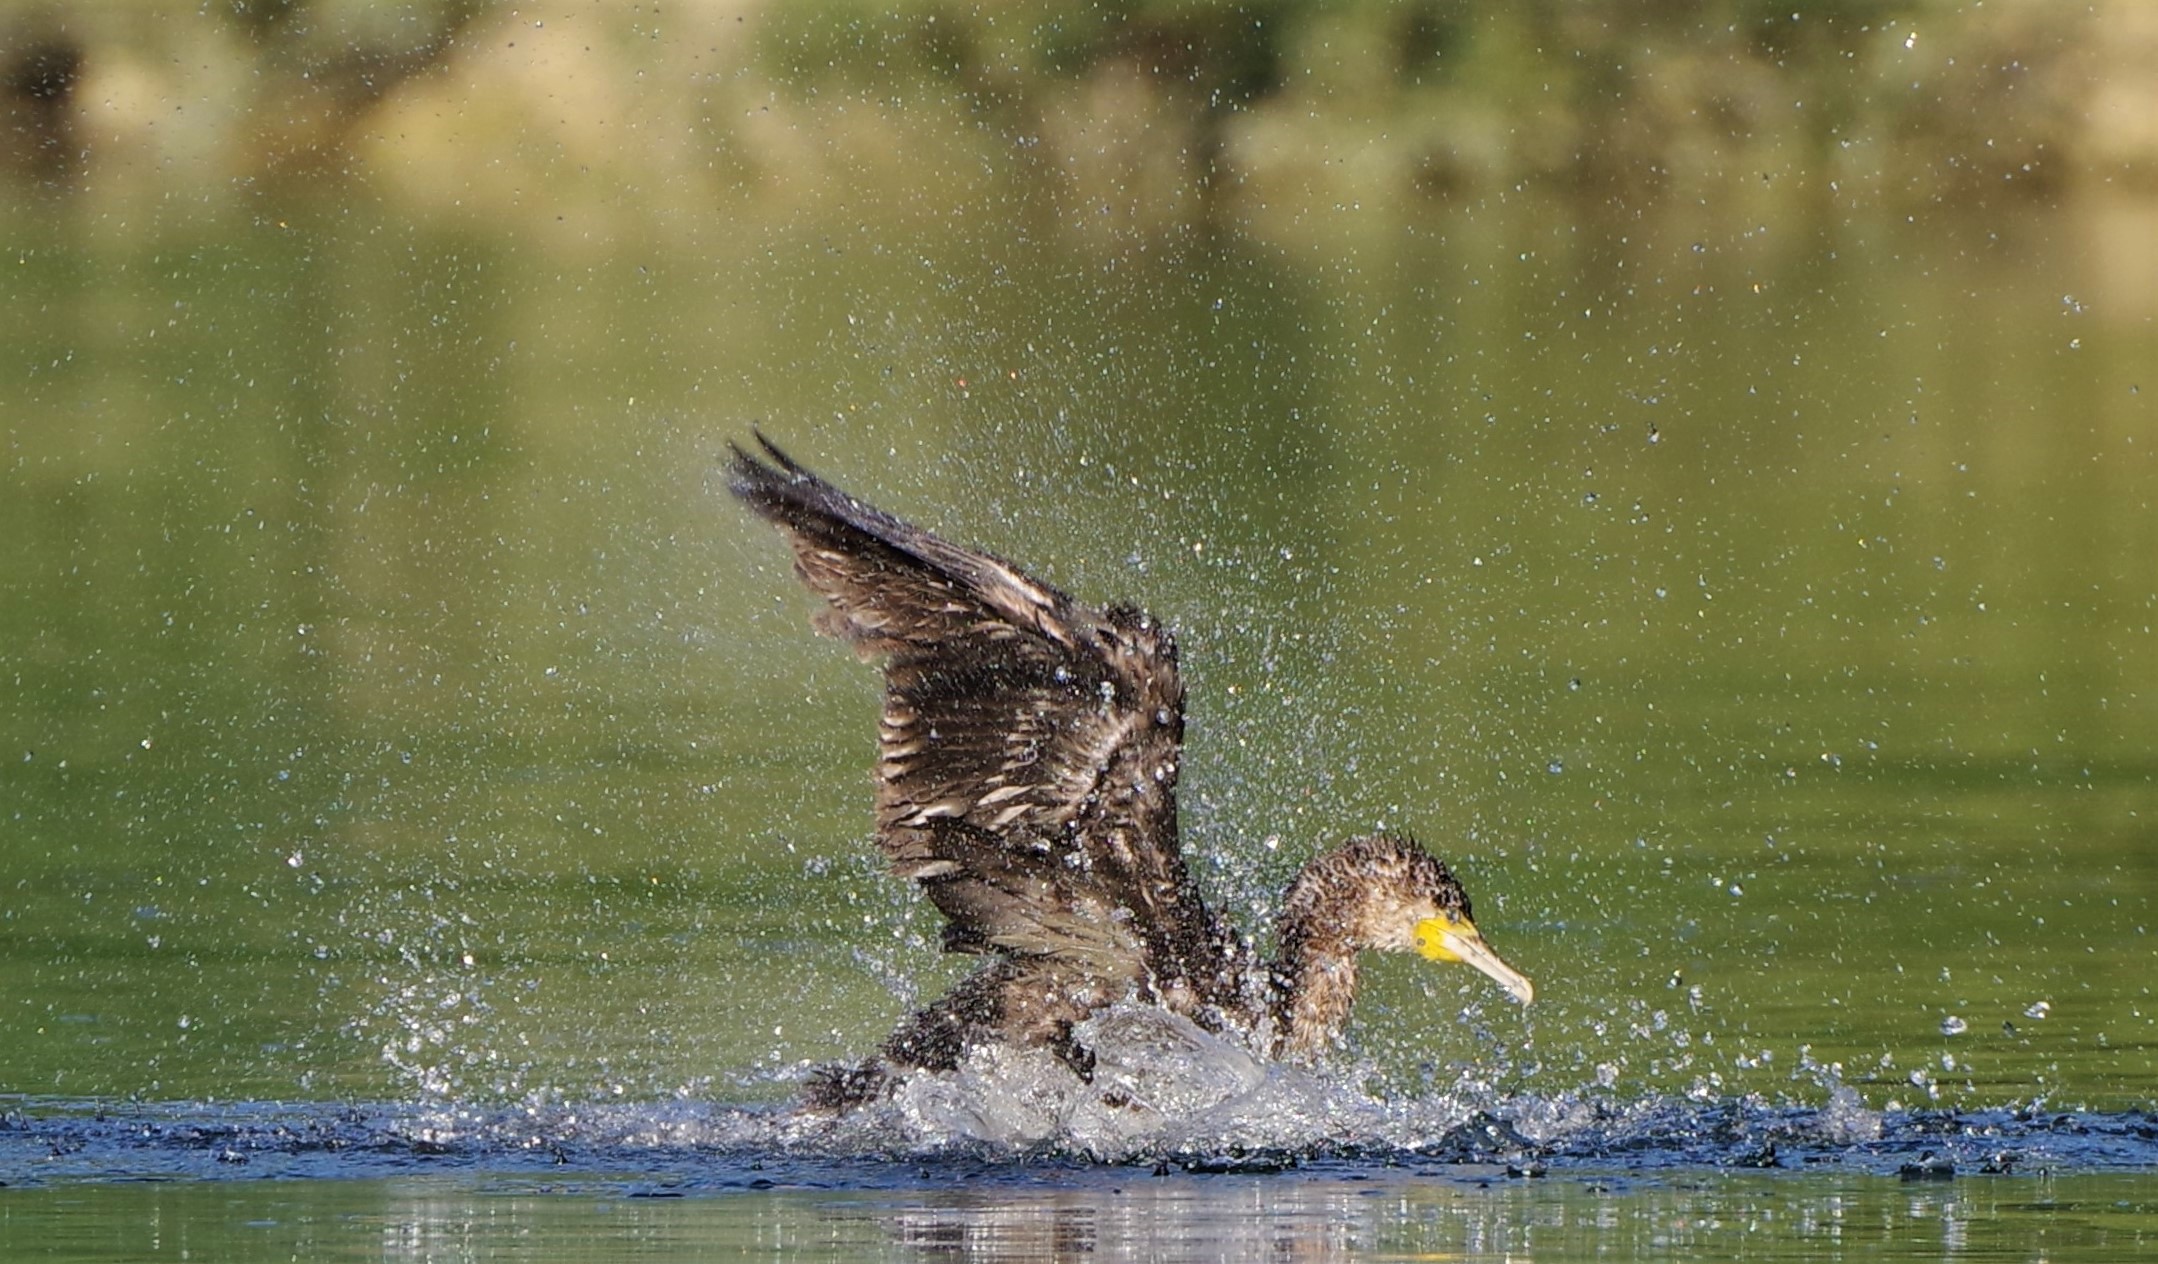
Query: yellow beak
{"points": [[1444, 939]]}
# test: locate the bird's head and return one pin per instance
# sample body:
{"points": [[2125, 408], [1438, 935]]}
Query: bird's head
{"points": [[1413, 903]]}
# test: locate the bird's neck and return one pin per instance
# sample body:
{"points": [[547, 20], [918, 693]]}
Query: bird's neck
{"points": [[1313, 975]]}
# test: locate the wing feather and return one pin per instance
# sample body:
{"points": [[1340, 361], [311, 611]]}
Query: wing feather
{"points": [[1029, 745]]}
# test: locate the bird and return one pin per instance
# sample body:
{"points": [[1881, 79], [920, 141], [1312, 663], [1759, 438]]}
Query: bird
{"points": [[1027, 765]]}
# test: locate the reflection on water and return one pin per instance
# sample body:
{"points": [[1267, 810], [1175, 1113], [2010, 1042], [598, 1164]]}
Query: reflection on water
{"points": [[1464, 1216], [1328, 1213]]}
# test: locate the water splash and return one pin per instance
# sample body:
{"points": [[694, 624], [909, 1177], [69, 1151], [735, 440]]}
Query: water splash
{"points": [[1289, 1123]]}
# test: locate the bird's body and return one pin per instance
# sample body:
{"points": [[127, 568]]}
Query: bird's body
{"points": [[1026, 780]]}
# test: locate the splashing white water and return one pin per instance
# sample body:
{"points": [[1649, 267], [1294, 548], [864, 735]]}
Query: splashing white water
{"points": [[1160, 1085]]}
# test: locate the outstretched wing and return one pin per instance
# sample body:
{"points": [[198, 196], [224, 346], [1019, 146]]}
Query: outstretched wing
{"points": [[1028, 753]]}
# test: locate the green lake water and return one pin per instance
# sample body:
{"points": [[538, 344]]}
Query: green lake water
{"points": [[1754, 601], [1775, 661]]}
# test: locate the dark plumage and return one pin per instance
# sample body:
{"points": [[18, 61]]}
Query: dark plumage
{"points": [[1026, 779]]}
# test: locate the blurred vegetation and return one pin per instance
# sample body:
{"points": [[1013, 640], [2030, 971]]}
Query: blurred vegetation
{"points": [[1150, 113]]}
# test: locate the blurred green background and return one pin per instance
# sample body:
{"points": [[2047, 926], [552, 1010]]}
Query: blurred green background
{"points": [[1690, 463]]}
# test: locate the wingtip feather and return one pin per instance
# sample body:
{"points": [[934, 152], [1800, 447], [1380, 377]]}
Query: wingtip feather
{"points": [[773, 450], [763, 485]]}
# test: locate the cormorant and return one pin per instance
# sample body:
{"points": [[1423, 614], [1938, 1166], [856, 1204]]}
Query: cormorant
{"points": [[1026, 780]]}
